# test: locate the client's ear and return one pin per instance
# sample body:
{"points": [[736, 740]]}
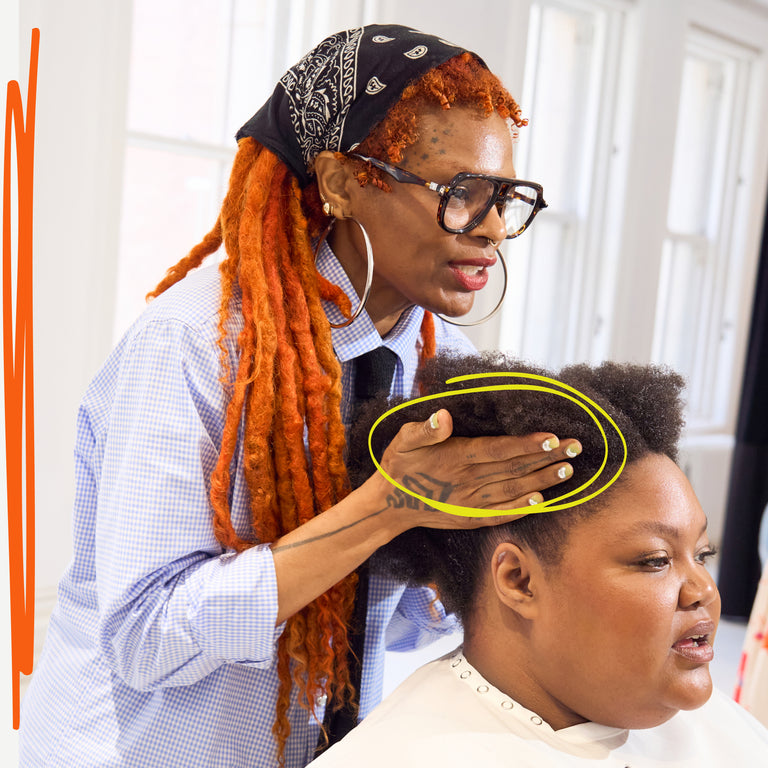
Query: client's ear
{"points": [[515, 573]]}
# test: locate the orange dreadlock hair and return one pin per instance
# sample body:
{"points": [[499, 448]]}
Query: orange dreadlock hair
{"points": [[287, 378]]}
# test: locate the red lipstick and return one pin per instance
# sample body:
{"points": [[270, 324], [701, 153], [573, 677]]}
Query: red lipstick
{"points": [[472, 274]]}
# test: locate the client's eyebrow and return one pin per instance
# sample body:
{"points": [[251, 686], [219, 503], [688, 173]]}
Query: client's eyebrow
{"points": [[660, 528]]}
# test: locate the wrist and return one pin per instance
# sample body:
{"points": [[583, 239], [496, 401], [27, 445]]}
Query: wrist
{"points": [[394, 516]]}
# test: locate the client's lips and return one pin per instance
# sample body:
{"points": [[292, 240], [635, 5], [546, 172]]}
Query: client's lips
{"points": [[695, 644]]}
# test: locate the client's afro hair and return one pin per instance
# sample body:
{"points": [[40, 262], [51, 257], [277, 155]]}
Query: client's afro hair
{"points": [[643, 400]]}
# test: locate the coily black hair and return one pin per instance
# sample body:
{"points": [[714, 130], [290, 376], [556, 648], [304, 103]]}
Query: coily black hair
{"points": [[644, 401]]}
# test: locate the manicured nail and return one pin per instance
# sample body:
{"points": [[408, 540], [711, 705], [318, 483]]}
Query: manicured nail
{"points": [[564, 471], [550, 443], [433, 421], [572, 450]]}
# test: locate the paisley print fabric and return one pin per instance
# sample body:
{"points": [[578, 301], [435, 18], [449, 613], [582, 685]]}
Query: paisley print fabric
{"points": [[341, 89]]}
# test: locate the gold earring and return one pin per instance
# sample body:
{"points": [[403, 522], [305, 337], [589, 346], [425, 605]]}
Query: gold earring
{"points": [[327, 208]]}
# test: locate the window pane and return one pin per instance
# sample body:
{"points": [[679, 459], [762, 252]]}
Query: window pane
{"points": [[693, 191], [179, 80], [569, 95], [257, 63], [680, 304], [170, 201], [540, 293], [555, 103], [701, 255]]}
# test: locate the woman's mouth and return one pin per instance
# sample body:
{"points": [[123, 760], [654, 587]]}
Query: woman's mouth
{"points": [[695, 645], [471, 277]]}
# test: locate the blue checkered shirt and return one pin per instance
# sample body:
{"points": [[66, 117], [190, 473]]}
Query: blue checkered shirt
{"points": [[161, 649]]}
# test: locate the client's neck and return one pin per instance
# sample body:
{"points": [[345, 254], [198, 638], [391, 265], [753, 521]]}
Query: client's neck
{"points": [[497, 644]]}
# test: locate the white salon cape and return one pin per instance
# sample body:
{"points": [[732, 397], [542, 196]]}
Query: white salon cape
{"points": [[446, 714]]}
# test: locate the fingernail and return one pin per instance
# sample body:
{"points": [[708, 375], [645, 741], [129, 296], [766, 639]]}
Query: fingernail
{"points": [[565, 471], [433, 421], [533, 501], [572, 450], [550, 443]]}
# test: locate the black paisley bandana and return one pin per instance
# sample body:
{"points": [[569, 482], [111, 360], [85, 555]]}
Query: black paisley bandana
{"points": [[341, 89]]}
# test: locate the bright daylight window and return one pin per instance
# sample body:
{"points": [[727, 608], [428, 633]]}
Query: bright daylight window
{"points": [[693, 330], [199, 69], [557, 302]]}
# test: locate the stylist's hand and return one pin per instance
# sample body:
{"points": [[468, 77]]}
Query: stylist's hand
{"points": [[483, 472]]}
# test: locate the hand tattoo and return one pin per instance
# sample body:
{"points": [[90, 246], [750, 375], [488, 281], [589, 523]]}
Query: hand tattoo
{"points": [[430, 488]]}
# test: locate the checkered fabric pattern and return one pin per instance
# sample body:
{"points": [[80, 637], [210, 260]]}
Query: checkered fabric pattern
{"points": [[161, 649]]}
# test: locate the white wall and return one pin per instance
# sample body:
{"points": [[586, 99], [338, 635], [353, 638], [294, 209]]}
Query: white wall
{"points": [[14, 59], [82, 81]]}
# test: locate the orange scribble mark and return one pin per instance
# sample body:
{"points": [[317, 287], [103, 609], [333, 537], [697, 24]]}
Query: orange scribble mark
{"points": [[18, 379]]}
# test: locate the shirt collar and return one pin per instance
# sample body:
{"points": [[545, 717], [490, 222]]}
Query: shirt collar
{"points": [[361, 336]]}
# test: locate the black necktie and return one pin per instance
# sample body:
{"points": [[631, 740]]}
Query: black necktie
{"points": [[373, 373], [373, 376]]}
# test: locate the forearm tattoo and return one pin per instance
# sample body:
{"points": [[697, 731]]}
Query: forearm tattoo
{"points": [[425, 485]]}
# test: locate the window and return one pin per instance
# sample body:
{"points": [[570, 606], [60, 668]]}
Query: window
{"points": [[199, 69], [694, 324], [556, 303]]}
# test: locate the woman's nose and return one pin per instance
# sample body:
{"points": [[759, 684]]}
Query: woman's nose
{"points": [[493, 225], [698, 589]]}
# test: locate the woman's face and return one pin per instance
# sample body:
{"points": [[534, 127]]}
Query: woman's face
{"points": [[625, 630], [416, 261]]}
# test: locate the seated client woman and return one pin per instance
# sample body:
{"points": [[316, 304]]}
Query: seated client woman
{"points": [[588, 630]]}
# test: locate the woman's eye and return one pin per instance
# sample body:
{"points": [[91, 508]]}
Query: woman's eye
{"points": [[706, 554], [460, 195], [656, 562]]}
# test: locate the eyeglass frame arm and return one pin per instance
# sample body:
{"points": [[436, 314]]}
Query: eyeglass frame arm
{"points": [[403, 176]]}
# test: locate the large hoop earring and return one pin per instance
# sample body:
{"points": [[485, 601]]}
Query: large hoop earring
{"points": [[494, 310], [369, 273]]}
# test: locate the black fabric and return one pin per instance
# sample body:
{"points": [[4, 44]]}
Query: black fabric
{"points": [[374, 372], [341, 89], [748, 488]]}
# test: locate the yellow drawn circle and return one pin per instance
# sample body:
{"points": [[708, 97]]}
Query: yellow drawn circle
{"points": [[546, 506]]}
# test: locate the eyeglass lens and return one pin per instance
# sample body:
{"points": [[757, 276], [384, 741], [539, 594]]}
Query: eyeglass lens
{"points": [[470, 198]]}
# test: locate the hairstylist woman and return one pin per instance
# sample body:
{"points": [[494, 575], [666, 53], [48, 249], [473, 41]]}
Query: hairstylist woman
{"points": [[203, 621]]}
